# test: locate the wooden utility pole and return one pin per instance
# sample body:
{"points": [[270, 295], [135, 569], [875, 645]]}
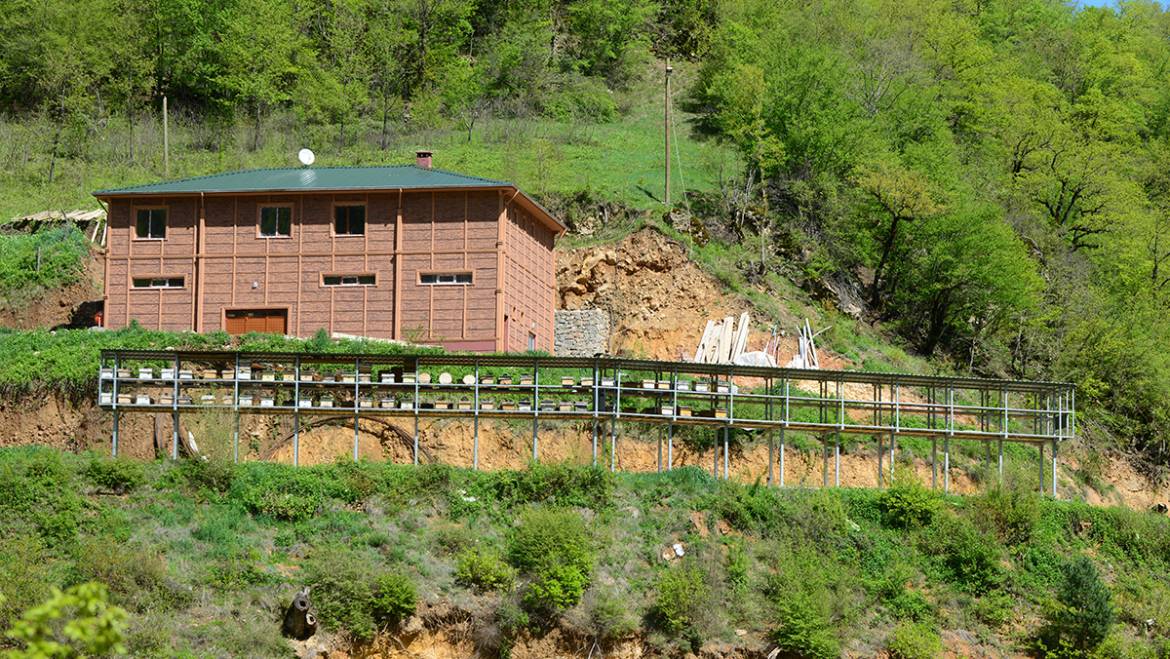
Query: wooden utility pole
{"points": [[666, 131], [166, 143]]}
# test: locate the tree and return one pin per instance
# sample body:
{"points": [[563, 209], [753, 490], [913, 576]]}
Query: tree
{"points": [[902, 196], [1083, 613]]}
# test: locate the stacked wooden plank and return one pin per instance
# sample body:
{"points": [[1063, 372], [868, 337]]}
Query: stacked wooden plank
{"points": [[723, 341]]}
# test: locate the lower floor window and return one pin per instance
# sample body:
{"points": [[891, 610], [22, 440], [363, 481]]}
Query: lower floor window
{"points": [[349, 280], [158, 282], [444, 278]]}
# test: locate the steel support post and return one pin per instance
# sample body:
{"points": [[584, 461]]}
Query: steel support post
{"points": [[236, 407], [417, 404], [669, 446], [296, 409], [824, 462], [236, 434], [881, 456], [596, 400], [771, 459], [475, 422], [726, 452], [934, 463], [1040, 447], [175, 413], [837, 459], [782, 438], [1055, 444], [999, 463], [893, 456], [535, 412], [947, 464], [613, 444], [357, 369], [114, 449], [660, 452]]}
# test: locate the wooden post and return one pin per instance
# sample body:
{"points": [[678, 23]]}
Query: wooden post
{"points": [[166, 142]]}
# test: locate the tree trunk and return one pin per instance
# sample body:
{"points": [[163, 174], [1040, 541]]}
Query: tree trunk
{"points": [[876, 288], [53, 155], [299, 622], [938, 316]]}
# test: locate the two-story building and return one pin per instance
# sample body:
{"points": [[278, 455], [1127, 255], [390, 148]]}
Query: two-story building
{"points": [[400, 252]]}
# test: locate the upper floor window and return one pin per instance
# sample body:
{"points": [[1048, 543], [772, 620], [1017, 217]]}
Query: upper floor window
{"points": [[151, 223], [349, 220], [158, 282], [348, 280], [275, 221], [444, 278]]}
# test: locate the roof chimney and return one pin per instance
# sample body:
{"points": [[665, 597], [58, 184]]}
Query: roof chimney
{"points": [[422, 159]]}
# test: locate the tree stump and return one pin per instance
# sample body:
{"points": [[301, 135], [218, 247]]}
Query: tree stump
{"points": [[299, 622]]}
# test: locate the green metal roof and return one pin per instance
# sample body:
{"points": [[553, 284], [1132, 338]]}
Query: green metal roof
{"points": [[311, 179]]}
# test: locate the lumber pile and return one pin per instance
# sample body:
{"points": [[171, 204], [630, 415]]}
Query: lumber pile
{"points": [[806, 354], [725, 342]]}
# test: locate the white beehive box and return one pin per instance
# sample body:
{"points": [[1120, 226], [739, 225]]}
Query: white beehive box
{"points": [[244, 373], [146, 373], [142, 399]]}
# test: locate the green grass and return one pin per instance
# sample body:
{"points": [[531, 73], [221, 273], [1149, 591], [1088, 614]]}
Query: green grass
{"points": [[819, 572], [30, 265], [620, 161]]}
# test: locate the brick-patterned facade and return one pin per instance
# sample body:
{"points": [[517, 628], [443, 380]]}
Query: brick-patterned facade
{"points": [[213, 243]]}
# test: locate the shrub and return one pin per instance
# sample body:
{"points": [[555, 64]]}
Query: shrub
{"points": [[681, 593], [737, 565], [914, 640], [77, 622], [556, 588], [286, 493], [559, 484], [483, 569], [1011, 514], [394, 598], [210, 475], [341, 587], [610, 617], [803, 626], [118, 475], [967, 557], [546, 537], [554, 547], [1081, 617], [908, 505]]}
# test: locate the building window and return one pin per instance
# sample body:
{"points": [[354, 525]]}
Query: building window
{"points": [[275, 221], [349, 220], [445, 278], [158, 282], [531, 342], [151, 223], [349, 280]]}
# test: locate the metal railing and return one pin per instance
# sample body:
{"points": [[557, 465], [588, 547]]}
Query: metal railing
{"points": [[597, 390]]}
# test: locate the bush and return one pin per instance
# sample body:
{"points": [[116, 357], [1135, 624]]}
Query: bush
{"points": [[1081, 617], [609, 615], [394, 598], [77, 622], [556, 588], [681, 594], [1011, 514], [803, 626], [914, 640], [967, 557], [559, 484], [554, 547], [546, 537], [286, 493], [908, 505], [484, 570], [210, 475], [118, 475]]}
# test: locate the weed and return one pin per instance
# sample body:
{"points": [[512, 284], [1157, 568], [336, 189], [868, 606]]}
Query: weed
{"points": [[908, 505], [914, 640], [117, 475], [483, 569], [681, 593], [394, 598]]}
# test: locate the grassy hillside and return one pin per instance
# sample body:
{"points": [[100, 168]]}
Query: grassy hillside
{"points": [[185, 548]]}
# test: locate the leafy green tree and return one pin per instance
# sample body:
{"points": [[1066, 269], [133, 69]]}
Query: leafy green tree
{"points": [[77, 622]]}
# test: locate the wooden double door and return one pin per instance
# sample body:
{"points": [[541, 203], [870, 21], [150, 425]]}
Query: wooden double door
{"points": [[242, 321]]}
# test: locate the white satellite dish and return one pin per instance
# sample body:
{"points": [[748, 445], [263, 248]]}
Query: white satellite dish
{"points": [[306, 157]]}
